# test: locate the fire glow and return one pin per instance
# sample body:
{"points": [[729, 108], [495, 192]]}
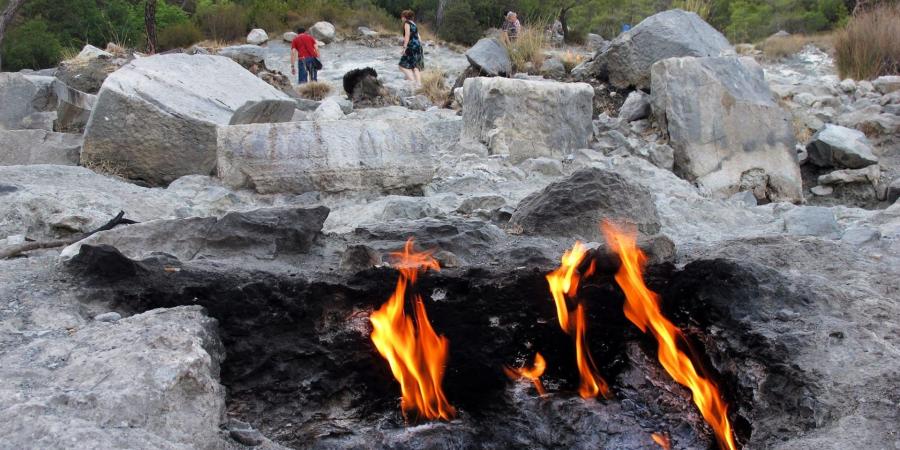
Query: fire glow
{"points": [[530, 373], [564, 284], [642, 308], [415, 353]]}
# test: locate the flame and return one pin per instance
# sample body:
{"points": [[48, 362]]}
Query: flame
{"points": [[642, 308], [564, 283], [534, 373], [662, 441], [415, 353]]}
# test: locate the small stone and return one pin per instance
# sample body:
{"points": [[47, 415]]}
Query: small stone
{"points": [[359, 257], [887, 84], [847, 85], [869, 174], [257, 36], [744, 198], [108, 317], [250, 438], [822, 191], [893, 191], [447, 259]]}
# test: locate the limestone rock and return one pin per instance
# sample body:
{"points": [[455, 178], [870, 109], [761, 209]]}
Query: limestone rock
{"points": [[257, 36], [359, 257], [73, 109], [887, 84], [636, 106], [329, 109], [893, 191], [288, 36], [553, 68], [157, 116], [575, 206], [22, 147], [87, 71], [22, 99], [323, 31], [326, 156], [246, 55], [669, 34], [527, 119], [725, 127], [490, 57], [868, 174], [837, 146], [812, 221]]}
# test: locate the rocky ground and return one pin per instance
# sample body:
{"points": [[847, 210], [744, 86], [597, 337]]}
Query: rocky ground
{"points": [[767, 204]]}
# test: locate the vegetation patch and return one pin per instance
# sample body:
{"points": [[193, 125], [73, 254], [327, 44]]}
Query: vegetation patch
{"points": [[869, 46]]}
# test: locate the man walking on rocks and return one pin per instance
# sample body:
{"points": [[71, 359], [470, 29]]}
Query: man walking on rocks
{"points": [[303, 56]]}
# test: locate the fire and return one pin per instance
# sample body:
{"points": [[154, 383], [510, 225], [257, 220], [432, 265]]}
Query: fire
{"points": [[564, 284], [642, 308], [534, 373], [415, 353], [661, 440]]}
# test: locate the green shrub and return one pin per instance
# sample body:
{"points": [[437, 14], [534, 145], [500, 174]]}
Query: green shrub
{"points": [[31, 46], [182, 35], [222, 22], [460, 24], [868, 46], [267, 14]]}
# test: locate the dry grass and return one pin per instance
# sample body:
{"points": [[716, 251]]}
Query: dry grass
{"points": [[434, 86], [571, 59], [314, 90], [869, 46], [213, 45], [700, 7], [780, 47], [528, 48], [106, 167]]}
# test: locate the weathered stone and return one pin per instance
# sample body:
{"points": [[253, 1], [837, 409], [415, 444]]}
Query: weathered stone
{"points": [[257, 36], [490, 57], [669, 34], [22, 99], [744, 198], [73, 108], [329, 109], [288, 36], [359, 257], [527, 119], [860, 235], [869, 174], [722, 123], [821, 191], [323, 31], [893, 191], [887, 83], [595, 41], [812, 221], [108, 317], [157, 116], [636, 106], [23, 147], [87, 71], [246, 55], [487, 202], [553, 68], [575, 206], [326, 156], [837, 146]]}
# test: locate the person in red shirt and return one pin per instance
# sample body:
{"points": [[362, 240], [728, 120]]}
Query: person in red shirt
{"points": [[303, 54]]}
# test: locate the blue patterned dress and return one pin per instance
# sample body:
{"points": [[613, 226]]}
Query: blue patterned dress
{"points": [[414, 56]]}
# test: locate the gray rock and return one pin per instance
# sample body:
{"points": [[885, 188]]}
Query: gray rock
{"points": [[893, 191], [543, 166], [869, 174], [887, 84], [490, 57], [257, 36], [669, 34], [723, 124], [661, 155], [527, 119], [73, 109], [744, 198], [87, 71], [22, 99], [246, 55], [366, 32], [847, 85], [328, 109], [487, 202], [860, 235], [595, 41], [336, 156], [288, 36], [837, 146], [323, 31], [417, 102], [359, 257], [108, 317], [553, 68], [812, 221], [147, 381], [822, 191], [155, 118], [22, 147], [575, 206], [262, 234], [636, 106]]}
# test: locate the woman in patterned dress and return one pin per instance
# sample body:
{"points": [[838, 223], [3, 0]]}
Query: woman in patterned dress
{"points": [[413, 60]]}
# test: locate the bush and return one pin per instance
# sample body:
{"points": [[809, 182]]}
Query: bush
{"points": [[460, 24], [528, 48], [31, 46], [314, 90], [182, 35], [868, 46], [222, 22], [268, 14], [434, 86], [570, 60]]}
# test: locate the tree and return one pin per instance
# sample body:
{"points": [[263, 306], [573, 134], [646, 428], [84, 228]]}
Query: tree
{"points": [[563, 12], [150, 23], [6, 18]]}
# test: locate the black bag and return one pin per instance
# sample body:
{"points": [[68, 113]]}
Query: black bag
{"points": [[317, 64]]}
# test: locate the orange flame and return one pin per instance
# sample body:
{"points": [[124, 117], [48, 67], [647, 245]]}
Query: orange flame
{"points": [[642, 309], [662, 440], [564, 283], [415, 353], [534, 373]]}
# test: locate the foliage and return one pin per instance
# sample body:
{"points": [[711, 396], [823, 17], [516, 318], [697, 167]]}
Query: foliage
{"points": [[528, 48], [460, 24], [700, 7], [777, 47], [31, 46], [181, 35], [222, 21], [434, 86], [868, 46]]}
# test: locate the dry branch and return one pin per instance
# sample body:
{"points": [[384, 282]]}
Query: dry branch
{"points": [[16, 250]]}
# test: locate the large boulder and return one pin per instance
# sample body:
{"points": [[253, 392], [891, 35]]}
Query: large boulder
{"points": [[328, 156], [636, 106], [257, 36], [87, 71], [23, 147], [527, 119], [323, 31], [668, 34], [156, 117], [842, 147], [23, 99], [727, 131], [73, 108], [246, 55], [490, 57], [575, 206]]}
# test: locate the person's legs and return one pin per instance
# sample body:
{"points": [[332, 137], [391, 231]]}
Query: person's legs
{"points": [[408, 73], [301, 71], [418, 75], [311, 69]]}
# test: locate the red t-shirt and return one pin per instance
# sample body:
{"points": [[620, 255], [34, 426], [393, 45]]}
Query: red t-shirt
{"points": [[305, 46]]}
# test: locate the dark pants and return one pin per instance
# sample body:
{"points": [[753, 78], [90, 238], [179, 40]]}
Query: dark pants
{"points": [[306, 67]]}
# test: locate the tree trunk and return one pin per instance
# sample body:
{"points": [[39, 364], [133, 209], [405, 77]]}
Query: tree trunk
{"points": [[6, 18], [150, 22], [439, 15], [563, 23]]}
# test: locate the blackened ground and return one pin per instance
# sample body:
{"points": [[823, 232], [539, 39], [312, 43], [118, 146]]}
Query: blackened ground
{"points": [[301, 368]]}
